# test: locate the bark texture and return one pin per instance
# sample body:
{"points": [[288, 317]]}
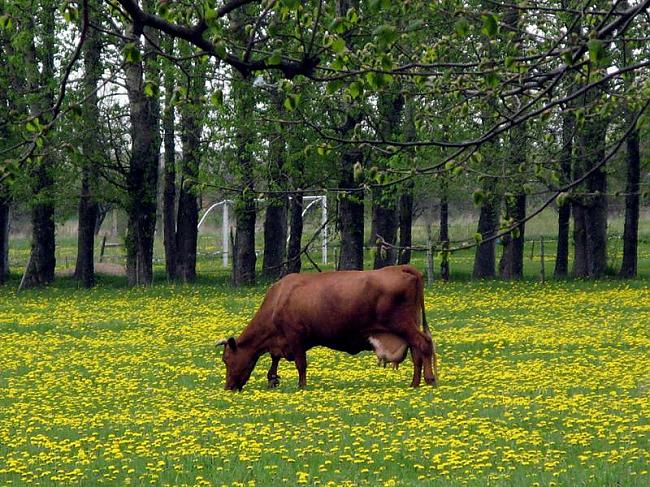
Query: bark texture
{"points": [[488, 224], [564, 211], [294, 261], [385, 201], [405, 224], [511, 265], [88, 205], [590, 206], [275, 220], [169, 183], [351, 217], [192, 116], [142, 178], [40, 72]]}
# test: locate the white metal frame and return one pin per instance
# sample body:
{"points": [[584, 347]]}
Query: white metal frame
{"points": [[225, 224]]}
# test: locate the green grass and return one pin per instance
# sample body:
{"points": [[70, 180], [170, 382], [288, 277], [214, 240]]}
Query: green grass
{"points": [[540, 383]]}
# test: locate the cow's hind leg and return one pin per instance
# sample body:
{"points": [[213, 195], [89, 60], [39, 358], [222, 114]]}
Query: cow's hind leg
{"points": [[272, 374], [422, 353], [301, 365], [417, 366]]}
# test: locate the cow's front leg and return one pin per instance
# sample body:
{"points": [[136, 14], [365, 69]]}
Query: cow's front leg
{"points": [[301, 365], [272, 374]]}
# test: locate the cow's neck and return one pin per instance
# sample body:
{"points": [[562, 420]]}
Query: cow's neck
{"points": [[254, 338]]}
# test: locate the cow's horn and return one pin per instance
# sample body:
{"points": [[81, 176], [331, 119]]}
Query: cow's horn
{"points": [[221, 343]]}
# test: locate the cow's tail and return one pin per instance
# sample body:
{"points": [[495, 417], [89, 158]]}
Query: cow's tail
{"points": [[425, 325], [427, 330]]}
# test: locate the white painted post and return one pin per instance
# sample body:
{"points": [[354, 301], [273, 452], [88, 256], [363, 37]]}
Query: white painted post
{"points": [[225, 240], [324, 224]]}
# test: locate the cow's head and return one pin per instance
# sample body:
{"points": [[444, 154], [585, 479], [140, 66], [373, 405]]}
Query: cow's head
{"points": [[239, 364]]}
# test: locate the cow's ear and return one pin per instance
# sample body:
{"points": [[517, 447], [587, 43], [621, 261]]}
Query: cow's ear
{"points": [[232, 344]]}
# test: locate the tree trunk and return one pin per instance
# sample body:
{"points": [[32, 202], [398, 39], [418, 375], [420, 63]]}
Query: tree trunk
{"points": [[590, 209], [85, 268], [511, 265], [597, 223], [4, 238], [405, 224], [444, 232], [192, 114], [564, 212], [244, 257], [42, 258], [275, 221], [384, 201], [294, 260], [275, 237], [631, 229], [488, 223], [386, 217], [88, 206], [632, 188], [351, 216], [142, 178], [580, 268], [169, 184]]}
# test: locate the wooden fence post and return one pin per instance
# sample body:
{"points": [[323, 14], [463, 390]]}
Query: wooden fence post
{"points": [[543, 271]]}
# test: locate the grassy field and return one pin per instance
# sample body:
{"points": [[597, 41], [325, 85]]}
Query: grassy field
{"points": [[540, 385]]}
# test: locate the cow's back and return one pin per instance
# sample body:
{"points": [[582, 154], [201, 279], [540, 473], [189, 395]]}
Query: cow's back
{"points": [[341, 309]]}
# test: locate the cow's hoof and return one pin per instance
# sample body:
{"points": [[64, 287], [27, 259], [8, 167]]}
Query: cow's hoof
{"points": [[431, 381], [273, 383]]}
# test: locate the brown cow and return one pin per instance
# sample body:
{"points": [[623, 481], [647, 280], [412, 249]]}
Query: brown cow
{"points": [[338, 310]]}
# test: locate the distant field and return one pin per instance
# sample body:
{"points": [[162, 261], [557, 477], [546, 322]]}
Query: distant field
{"points": [[209, 261], [540, 385]]}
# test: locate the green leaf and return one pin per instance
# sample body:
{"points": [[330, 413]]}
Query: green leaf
{"points": [[385, 34], [414, 25], [354, 89], [462, 27], [375, 80], [131, 53], [220, 49], [490, 26], [478, 197], [5, 22], [291, 102], [291, 4], [338, 45], [334, 86], [597, 52], [150, 89], [478, 237], [217, 98], [275, 57], [492, 80], [32, 125]]}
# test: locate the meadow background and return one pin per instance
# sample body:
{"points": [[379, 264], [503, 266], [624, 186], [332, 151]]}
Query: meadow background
{"points": [[541, 384]]}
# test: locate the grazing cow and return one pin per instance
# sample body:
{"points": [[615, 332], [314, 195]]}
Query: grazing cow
{"points": [[340, 310], [389, 348]]}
